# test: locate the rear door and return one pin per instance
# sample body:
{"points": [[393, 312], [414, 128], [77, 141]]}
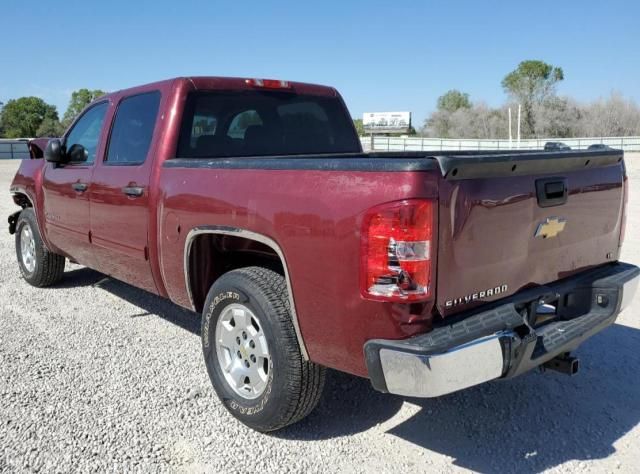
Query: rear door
{"points": [[507, 230], [66, 188], [120, 192]]}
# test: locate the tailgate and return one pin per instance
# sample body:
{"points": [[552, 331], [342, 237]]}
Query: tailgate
{"points": [[512, 221]]}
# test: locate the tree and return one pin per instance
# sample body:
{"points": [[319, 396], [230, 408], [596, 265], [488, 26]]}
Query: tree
{"points": [[50, 127], [79, 100], [452, 110], [453, 100], [359, 127], [557, 117], [530, 84], [615, 116], [477, 121], [22, 117]]}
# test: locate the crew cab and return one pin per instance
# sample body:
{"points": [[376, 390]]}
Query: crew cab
{"points": [[251, 202]]}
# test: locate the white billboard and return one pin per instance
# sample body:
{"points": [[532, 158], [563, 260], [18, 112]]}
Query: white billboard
{"points": [[386, 121]]}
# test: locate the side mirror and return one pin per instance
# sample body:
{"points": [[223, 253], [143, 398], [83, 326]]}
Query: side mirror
{"points": [[54, 153], [77, 153]]}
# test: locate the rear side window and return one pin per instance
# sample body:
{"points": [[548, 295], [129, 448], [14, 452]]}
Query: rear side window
{"points": [[264, 123], [133, 129]]}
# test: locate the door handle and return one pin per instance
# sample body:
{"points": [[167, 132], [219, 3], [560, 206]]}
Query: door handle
{"points": [[552, 191], [133, 191], [79, 187]]}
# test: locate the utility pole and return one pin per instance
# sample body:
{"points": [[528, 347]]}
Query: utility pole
{"points": [[519, 110], [510, 135]]}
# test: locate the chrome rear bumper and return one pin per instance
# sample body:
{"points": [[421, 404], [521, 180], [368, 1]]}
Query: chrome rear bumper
{"points": [[502, 342], [438, 374]]}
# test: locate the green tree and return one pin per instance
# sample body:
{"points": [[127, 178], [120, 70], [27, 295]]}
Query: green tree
{"points": [[22, 117], [50, 127], [359, 127], [531, 84], [453, 100], [79, 100]]}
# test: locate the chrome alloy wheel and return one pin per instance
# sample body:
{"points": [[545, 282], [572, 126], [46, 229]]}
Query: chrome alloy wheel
{"points": [[28, 249], [242, 350]]}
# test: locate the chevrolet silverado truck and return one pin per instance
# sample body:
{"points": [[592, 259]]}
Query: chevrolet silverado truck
{"points": [[251, 202]]}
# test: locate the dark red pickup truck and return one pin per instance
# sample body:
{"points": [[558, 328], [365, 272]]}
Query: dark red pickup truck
{"points": [[250, 201]]}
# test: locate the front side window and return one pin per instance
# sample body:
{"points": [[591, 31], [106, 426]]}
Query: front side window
{"points": [[82, 140], [133, 129]]}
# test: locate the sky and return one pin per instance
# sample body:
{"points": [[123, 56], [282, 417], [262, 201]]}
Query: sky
{"points": [[382, 56]]}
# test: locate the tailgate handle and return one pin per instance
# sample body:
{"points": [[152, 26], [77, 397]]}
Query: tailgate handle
{"points": [[552, 191]]}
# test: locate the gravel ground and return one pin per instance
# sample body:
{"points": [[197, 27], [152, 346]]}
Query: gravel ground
{"points": [[96, 375]]}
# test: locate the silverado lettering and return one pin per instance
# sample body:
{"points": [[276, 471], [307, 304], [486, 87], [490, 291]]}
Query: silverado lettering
{"points": [[475, 296]]}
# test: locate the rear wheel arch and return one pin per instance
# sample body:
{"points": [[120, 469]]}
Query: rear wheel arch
{"points": [[212, 251]]}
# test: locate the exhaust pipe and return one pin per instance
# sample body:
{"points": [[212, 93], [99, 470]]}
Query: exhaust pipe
{"points": [[564, 364]]}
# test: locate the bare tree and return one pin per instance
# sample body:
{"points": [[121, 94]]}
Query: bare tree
{"points": [[614, 116]]}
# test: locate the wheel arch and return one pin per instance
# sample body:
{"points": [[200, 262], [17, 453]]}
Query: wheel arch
{"points": [[211, 251], [22, 199]]}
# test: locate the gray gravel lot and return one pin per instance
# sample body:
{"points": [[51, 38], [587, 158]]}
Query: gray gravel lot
{"points": [[96, 375]]}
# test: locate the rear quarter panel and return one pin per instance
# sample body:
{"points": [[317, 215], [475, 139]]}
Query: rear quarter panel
{"points": [[315, 217]]}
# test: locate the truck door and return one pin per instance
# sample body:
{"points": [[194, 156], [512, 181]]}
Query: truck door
{"points": [[66, 187], [120, 193]]}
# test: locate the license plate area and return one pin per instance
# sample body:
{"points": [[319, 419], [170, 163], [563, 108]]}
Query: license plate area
{"points": [[557, 306]]}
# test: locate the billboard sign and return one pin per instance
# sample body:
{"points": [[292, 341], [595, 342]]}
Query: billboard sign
{"points": [[390, 122]]}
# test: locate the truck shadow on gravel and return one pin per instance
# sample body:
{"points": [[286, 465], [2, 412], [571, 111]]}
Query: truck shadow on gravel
{"points": [[528, 424], [149, 304]]}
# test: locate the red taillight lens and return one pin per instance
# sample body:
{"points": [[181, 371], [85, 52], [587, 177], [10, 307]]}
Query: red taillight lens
{"points": [[396, 251], [268, 83]]}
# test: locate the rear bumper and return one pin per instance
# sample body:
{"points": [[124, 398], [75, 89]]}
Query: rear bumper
{"points": [[504, 340]]}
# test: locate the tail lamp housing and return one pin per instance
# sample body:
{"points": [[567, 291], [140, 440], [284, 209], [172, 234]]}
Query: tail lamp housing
{"points": [[396, 263]]}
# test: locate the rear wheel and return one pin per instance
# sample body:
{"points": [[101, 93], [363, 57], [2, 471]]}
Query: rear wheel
{"points": [[252, 353], [38, 266]]}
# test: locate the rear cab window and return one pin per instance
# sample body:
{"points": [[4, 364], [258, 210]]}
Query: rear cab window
{"points": [[264, 123]]}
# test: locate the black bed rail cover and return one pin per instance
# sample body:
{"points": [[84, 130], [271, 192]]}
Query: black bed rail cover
{"points": [[494, 165]]}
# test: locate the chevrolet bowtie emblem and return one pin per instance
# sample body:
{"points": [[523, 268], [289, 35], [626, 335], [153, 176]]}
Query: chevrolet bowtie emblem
{"points": [[550, 227]]}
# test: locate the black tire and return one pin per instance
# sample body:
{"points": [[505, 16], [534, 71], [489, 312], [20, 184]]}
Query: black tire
{"points": [[293, 386], [49, 267]]}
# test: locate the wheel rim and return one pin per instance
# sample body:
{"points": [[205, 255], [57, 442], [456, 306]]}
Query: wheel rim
{"points": [[242, 350], [28, 248]]}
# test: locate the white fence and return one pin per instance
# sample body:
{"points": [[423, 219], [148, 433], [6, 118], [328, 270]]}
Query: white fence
{"points": [[439, 144]]}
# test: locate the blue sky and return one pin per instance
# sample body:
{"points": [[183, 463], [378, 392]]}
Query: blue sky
{"points": [[382, 56]]}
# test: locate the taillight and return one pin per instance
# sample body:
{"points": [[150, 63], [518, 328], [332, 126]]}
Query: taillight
{"points": [[396, 251], [268, 83], [625, 201]]}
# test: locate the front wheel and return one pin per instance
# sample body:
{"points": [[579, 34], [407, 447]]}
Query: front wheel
{"points": [[252, 354], [38, 266]]}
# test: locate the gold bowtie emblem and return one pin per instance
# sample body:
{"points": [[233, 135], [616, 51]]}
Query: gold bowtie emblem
{"points": [[550, 227]]}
